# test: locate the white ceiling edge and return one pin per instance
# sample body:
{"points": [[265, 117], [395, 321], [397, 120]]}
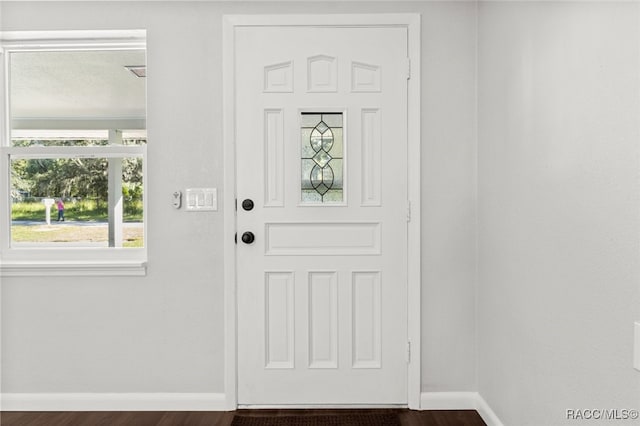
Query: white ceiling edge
{"points": [[325, 1], [328, 1], [133, 39], [228, 1], [246, 1]]}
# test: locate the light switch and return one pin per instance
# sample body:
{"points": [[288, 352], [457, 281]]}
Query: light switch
{"points": [[191, 200], [202, 199]]}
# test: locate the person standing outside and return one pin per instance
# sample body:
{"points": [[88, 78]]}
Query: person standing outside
{"points": [[60, 205]]}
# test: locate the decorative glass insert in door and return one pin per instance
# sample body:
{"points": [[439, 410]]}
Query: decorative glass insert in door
{"points": [[322, 148]]}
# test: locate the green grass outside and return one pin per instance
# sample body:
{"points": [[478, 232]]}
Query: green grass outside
{"points": [[82, 211], [132, 236]]}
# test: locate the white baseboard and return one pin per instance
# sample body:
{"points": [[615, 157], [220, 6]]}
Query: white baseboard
{"points": [[203, 402], [113, 402], [487, 414], [459, 401], [448, 400]]}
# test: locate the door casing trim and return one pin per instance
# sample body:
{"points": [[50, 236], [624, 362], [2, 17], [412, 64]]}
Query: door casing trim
{"points": [[410, 21]]}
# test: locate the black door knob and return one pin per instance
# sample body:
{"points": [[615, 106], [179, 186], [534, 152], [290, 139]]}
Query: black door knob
{"points": [[247, 204], [248, 237]]}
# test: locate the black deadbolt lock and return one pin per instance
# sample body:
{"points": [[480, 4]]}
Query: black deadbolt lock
{"points": [[247, 204], [248, 237]]}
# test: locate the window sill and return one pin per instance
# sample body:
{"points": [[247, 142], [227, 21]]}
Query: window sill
{"points": [[66, 268]]}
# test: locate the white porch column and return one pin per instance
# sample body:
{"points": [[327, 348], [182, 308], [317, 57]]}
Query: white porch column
{"points": [[115, 193]]}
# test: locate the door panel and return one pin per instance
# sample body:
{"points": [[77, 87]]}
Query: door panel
{"points": [[321, 150]]}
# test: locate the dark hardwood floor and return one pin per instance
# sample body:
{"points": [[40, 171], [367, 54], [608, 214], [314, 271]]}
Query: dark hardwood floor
{"points": [[220, 418]]}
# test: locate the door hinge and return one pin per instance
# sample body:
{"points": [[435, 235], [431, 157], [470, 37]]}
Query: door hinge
{"points": [[408, 211], [408, 352], [408, 68]]}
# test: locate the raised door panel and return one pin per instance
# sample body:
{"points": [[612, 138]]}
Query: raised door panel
{"points": [[322, 74], [366, 323], [278, 78], [279, 320], [323, 319]]}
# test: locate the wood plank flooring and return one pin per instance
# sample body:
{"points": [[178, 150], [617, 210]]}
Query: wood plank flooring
{"points": [[219, 418]]}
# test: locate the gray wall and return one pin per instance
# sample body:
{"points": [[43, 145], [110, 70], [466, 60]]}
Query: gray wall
{"points": [[559, 150], [164, 332], [558, 201]]}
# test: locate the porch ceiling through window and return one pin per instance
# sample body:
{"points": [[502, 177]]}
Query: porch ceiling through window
{"points": [[77, 90]]}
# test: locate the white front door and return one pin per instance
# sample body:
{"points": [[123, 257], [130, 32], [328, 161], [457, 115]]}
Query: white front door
{"points": [[321, 152]]}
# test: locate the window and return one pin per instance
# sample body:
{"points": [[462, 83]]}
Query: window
{"points": [[322, 158], [73, 200]]}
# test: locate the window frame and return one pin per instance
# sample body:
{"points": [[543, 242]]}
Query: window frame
{"points": [[64, 261]]}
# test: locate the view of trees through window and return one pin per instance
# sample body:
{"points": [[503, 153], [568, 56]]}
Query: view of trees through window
{"points": [[76, 146], [82, 185], [77, 178]]}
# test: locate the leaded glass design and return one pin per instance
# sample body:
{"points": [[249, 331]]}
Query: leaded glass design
{"points": [[322, 157]]}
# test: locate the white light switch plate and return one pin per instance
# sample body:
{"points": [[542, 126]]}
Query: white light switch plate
{"points": [[201, 199], [636, 346]]}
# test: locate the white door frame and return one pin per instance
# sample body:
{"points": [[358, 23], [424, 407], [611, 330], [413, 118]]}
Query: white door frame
{"points": [[412, 23]]}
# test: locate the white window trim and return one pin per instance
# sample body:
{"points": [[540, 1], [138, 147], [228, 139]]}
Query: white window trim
{"points": [[63, 261]]}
